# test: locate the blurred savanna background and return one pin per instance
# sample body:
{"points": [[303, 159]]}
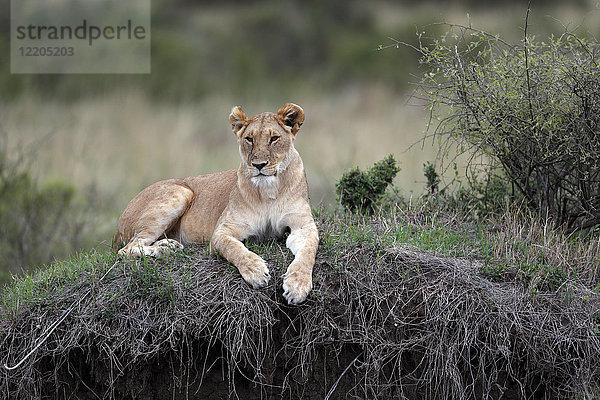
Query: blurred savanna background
{"points": [[74, 149]]}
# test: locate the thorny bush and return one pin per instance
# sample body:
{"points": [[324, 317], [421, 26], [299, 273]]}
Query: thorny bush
{"points": [[531, 110]]}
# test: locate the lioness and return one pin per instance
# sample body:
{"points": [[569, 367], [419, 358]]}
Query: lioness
{"points": [[266, 196]]}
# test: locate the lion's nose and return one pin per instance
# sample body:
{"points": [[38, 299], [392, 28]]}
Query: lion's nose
{"points": [[259, 165]]}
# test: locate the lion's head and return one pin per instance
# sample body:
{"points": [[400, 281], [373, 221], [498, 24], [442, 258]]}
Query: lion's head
{"points": [[266, 140]]}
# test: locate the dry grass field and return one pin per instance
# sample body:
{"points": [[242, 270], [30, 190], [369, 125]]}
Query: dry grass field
{"points": [[124, 141]]}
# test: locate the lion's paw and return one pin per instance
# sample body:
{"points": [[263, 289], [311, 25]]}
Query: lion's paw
{"points": [[136, 250], [296, 287], [255, 272], [158, 249], [166, 246]]}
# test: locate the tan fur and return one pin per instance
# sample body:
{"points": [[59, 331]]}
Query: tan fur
{"points": [[265, 196]]}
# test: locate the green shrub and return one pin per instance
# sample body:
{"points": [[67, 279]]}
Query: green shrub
{"points": [[530, 110], [481, 196], [433, 178], [360, 191], [38, 223]]}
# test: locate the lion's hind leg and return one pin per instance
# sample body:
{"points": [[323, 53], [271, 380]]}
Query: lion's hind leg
{"points": [[150, 216]]}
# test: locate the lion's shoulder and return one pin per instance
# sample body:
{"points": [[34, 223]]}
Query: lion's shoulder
{"points": [[214, 182]]}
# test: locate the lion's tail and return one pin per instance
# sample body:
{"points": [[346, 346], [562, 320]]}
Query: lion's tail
{"points": [[117, 241]]}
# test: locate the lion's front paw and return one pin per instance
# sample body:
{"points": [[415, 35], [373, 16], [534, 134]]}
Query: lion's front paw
{"points": [[296, 286], [255, 271]]}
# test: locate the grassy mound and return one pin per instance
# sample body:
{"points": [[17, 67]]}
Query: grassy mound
{"points": [[384, 321]]}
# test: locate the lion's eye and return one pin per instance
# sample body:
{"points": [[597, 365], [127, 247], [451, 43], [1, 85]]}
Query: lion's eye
{"points": [[274, 139], [249, 139]]}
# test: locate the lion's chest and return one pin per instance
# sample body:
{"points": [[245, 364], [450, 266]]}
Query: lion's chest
{"points": [[269, 223]]}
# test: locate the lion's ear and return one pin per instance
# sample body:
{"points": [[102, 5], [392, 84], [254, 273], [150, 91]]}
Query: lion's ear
{"points": [[291, 115], [237, 119]]}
